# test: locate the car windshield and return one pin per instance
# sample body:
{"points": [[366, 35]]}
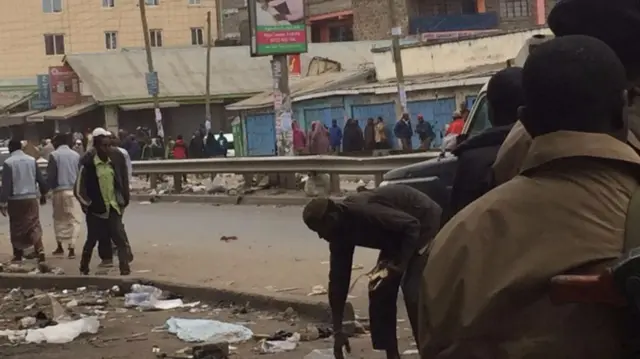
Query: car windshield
{"points": [[480, 116]]}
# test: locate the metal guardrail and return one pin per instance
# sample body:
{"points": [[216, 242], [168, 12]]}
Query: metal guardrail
{"points": [[325, 164], [291, 164]]}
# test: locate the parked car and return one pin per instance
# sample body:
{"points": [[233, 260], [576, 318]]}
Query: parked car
{"points": [[435, 176]]}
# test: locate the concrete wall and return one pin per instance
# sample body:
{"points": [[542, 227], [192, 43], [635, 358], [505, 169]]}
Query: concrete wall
{"points": [[371, 19], [454, 56], [83, 24]]}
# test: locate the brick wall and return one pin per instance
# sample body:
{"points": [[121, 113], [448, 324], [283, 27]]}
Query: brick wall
{"points": [[371, 19]]}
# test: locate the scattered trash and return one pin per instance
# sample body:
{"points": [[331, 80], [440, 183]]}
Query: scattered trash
{"points": [[357, 267], [61, 333], [210, 331], [146, 297], [317, 290], [278, 346], [288, 314], [320, 354], [410, 352], [228, 238]]}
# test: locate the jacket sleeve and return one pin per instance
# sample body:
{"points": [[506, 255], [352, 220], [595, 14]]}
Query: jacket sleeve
{"points": [[52, 173], [7, 184], [80, 189], [405, 226], [339, 279], [42, 183], [470, 183]]}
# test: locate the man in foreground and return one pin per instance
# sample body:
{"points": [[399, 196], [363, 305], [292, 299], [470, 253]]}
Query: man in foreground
{"points": [[477, 154], [62, 172], [399, 221], [102, 188], [617, 23], [21, 182], [485, 288]]}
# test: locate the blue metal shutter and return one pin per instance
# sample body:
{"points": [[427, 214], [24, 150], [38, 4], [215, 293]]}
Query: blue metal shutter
{"points": [[385, 110], [261, 135]]}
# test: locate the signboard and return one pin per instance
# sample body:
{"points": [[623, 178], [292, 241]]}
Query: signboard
{"points": [[152, 83], [42, 101], [295, 68], [278, 27], [65, 86]]}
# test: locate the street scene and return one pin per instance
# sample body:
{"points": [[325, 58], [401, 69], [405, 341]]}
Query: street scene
{"points": [[320, 179]]}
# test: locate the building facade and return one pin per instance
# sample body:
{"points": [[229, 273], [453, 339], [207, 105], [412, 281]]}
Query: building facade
{"points": [[36, 34], [446, 19]]}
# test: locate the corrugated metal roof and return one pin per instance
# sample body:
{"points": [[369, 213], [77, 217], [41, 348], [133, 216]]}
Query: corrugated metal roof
{"points": [[470, 77], [304, 86], [17, 118], [10, 99], [120, 76], [62, 113]]}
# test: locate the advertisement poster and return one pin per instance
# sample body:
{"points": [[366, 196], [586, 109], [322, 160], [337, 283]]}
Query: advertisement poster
{"points": [[42, 101], [278, 27], [65, 86], [295, 68]]}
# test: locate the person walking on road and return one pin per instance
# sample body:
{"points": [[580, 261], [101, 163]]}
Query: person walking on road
{"points": [[370, 135], [299, 139], [21, 182], [425, 133], [398, 220], [102, 188], [382, 142], [353, 137], [485, 291], [62, 172], [319, 139]]}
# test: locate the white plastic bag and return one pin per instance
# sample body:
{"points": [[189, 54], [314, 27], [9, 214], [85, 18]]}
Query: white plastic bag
{"points": [[210, 331], [63, 332]]}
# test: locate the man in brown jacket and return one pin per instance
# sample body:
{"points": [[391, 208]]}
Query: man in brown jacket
{"points": [[617, 23], [484, 293]]}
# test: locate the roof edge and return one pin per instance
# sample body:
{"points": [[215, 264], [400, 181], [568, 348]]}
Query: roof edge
{"points": [[499, 32]]}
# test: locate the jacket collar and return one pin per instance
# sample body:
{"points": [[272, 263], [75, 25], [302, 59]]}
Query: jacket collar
{"points": [[566, 144]]}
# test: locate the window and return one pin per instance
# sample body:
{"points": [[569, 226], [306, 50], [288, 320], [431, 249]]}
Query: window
{"points": [[51, 6], [479, 116], [108, 3], [155, 38], [515, 8], [54, 44], [111, 40], [340, 33], [152, 2], [196, 36], [194, 2]]}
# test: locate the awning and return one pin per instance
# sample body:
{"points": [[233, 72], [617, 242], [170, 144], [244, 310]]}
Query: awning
{"points": [[148, 106], [63, 113], [18, 118]]}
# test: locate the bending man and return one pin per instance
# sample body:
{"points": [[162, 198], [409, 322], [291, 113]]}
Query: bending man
{"points": [[399, 221]]}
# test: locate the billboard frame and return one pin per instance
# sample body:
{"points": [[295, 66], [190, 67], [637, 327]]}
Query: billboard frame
{"points": [[252, 6]]}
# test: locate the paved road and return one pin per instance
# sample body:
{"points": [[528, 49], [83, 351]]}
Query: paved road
{"points": [[181, 242]]}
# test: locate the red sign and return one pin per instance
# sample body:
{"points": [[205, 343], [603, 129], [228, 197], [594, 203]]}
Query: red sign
{"points": [[65, 86], [295, 68]]}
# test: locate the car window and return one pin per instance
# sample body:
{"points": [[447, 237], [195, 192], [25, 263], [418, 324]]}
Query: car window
{"points": [[480, 116]]}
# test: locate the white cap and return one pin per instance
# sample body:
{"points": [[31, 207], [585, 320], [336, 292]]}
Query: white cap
{"points": [[109, 133], [99, 131]]}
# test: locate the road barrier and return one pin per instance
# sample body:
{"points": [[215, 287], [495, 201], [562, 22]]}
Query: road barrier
{"points": [[333, 165]]}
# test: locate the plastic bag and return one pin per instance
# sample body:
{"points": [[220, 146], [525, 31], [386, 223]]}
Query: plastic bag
{"points": [[210, 331], [64, 332]]}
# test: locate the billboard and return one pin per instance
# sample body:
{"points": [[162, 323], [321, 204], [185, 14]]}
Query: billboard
{"points": [[65, 86], [42, 101], [278, 27]]}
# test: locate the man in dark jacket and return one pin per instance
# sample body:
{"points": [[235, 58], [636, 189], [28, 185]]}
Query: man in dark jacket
{"points": [[477, 154], [399, 221], [425, 133], [102, 188]]}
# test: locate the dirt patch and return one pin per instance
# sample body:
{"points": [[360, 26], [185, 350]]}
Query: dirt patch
{"points": [[124, 331]]}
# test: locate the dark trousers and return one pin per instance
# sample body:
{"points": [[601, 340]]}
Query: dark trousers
{"points": [[383, 303], [103, 231]]}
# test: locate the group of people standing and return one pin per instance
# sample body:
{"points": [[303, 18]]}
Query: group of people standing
{"points": [[95, 183], [352, 138], [546, 191]]}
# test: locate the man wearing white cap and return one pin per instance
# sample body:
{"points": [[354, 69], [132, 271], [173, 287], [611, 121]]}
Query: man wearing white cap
{"points": [[102, 189]]}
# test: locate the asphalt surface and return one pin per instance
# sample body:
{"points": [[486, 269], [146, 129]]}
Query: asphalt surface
{"points": [[181, 242]]}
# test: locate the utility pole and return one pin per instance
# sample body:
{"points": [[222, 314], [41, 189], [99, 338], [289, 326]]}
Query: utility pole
{"points": [[207, 106], [396, 33], [153, 84], [283, 113]]}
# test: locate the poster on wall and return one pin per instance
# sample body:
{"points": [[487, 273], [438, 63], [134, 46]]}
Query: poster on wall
{"points": [[65, 86], [42, 101], [278, 27]]}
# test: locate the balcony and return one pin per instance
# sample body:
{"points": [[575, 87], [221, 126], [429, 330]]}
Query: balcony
{"points": [[453, 22]]}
